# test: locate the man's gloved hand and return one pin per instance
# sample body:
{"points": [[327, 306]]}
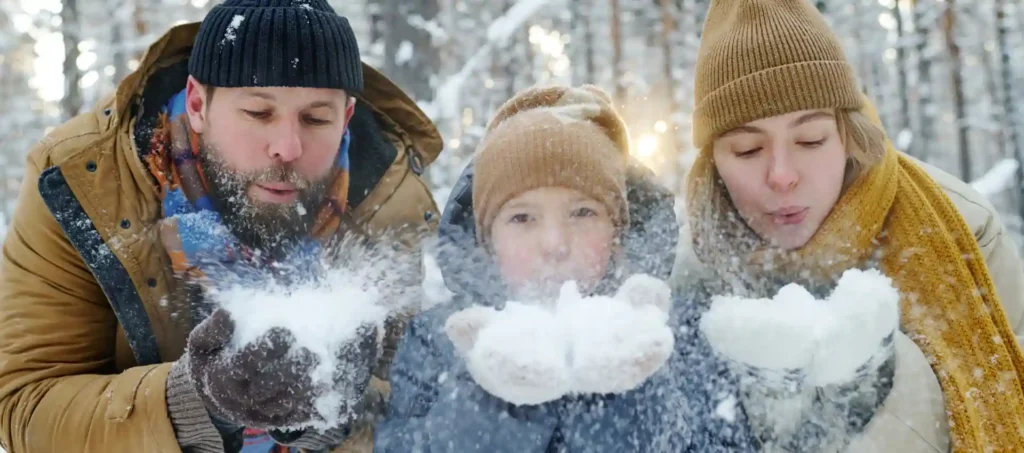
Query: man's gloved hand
{"points": [[269, 383]]}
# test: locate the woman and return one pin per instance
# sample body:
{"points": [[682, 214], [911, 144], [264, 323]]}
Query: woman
{"points": [[796, 182], [551, 197]]}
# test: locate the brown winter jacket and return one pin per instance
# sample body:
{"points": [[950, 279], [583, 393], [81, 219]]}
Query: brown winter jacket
{"points": [[82, 264], [913, 417]]}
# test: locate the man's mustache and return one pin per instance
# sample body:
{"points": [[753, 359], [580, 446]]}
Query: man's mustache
{"points": [[280, 174]]}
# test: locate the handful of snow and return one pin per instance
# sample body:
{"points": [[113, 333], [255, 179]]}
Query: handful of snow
{"points": [[322, 317], [528, 354], [827, 340]]}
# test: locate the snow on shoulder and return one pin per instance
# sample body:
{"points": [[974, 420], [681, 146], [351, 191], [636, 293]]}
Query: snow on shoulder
{"points": [[322, 317], [530, 352]]}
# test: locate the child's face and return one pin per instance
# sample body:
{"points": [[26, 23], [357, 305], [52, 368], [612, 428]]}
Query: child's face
{"points": [[547, 236]]}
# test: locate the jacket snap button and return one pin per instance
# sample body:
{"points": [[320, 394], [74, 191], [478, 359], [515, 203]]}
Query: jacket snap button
{"points": [[90, 166], [126, 224], [106, 112], [428, 215], [151, 283]]}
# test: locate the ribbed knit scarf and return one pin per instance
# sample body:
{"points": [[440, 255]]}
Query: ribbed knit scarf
{"points": [[200, 242], [894, 215]]}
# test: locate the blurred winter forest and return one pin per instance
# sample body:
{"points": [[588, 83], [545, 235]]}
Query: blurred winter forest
{"points": [[946, 74]]}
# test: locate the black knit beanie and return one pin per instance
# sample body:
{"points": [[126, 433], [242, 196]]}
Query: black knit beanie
{"points": [[276, 43]]}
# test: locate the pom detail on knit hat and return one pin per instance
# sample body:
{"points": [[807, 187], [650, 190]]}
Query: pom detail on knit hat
{"points": [[553, 136]]}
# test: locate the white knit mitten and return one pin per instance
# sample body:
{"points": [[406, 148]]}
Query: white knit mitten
{"points": [[862, 317], [617, 342], [517, 355]]}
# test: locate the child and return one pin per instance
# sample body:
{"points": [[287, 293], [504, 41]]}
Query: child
{"points": [[554, 198]]}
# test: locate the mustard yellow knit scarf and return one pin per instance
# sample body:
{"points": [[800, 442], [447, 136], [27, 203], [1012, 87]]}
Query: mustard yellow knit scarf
{"points": [[894, 215]]}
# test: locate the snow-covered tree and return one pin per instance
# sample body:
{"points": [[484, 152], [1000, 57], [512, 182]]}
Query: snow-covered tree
{"points": [[943, 73]]}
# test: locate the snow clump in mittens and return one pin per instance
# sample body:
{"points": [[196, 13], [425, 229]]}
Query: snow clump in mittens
{"points": [[827, 341], [325, 319], [529, 353]]}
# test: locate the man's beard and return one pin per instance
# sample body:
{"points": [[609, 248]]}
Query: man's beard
{"points": [[266, 227]]}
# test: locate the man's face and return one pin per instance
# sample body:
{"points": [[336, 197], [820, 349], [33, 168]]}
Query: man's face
{"points": [[269, 156]]}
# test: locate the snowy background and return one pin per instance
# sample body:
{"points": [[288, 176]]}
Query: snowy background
{"points": [[947, 74]]}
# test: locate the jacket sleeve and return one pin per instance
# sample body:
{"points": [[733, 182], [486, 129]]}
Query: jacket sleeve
{"points": [[57, 387], [1004, 265], [436, 407], [913, 417]]}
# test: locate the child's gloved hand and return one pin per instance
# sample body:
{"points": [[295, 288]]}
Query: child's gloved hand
{"points": [[617, 343], [528, 354], [518, 354]]}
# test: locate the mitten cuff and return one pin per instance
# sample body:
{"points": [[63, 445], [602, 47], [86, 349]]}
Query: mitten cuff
{"points": [[311, 439], [192, 424]]}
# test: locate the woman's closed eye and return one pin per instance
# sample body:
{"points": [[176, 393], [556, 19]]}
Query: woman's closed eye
{"points": [[811, 144], [749, 152]]}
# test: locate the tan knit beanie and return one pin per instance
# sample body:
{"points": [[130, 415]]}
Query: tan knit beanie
{"points": [[557, 136], [762, 58]]}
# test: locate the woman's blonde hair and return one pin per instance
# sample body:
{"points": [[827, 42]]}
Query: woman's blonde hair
{"points": [[864, 141]]}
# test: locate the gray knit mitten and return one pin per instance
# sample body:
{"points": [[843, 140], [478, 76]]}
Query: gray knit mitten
{"points": [[812, 372]]}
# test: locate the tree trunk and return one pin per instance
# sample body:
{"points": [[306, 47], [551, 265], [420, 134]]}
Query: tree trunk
{"points": [[956, 65], [924, 83], [409, 52], [1009, 106], [671, 147], [903, 117], [616, 29], [119, 59], [581, 19], [668, 27], [70, 28], [992, 87]]}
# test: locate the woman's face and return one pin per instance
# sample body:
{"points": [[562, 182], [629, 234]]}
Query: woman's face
{"points": [[548, 236], [784, 173]]}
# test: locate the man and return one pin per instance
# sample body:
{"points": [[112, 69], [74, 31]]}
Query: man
{"points": [[262, 120]]}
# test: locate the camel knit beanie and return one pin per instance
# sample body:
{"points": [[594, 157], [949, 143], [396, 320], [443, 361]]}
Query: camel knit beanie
{"points": [[762, 58], [557, 136]]}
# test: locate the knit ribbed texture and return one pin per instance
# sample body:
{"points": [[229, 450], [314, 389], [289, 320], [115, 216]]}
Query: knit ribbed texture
{"points": [[192, 424], [552, 137], [354, 438], [949, 305], [762, 58], [276, 43], [316, 441]]}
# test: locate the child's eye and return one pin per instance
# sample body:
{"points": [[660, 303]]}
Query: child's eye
{"points": [[584, 212], [519, 218]]}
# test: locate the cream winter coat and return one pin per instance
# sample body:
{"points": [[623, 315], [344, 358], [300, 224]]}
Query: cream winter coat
{"points": [[913, 417]]}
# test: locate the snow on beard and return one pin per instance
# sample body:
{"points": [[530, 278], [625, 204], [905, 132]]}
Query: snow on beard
{"points": [[263, 226]]}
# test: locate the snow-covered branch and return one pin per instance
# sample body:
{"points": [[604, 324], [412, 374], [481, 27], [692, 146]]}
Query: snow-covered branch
{"points": [[997, 179], [446, 104]]}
